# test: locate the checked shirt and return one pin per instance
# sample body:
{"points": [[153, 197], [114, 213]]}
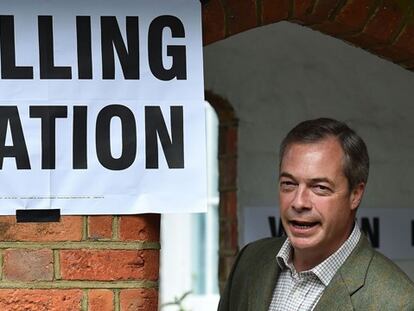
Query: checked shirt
{"points": [[301, 291]]}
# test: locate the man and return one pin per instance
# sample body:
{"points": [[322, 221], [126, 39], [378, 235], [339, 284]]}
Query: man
{"points": [[325, 263]]}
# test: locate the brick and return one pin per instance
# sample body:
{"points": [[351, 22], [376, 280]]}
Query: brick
{"points": [[144, 227], [275, 10], [228, 173], [223, 108], [351, 18], [228, 140], [40, 300], [403, 47], [386, 21], [408, 64], [315, 12], [228, 204], [405, 41], [100, 227], [323, 10], [101, 300], [241, 15], [355, 13], [68, 229], [139, 300], [231, 140], [381, 28], [28, 265], [320, 12], [228, 234], [213, 17], [109, 265], [301, 9]]}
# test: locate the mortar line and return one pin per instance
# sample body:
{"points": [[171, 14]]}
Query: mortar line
{"points": [[1, 264], [259, 12], [98, 245], [396, 35], [371, 15], [339, 6], [115, 228], [117, 306], [291, 9], [78, 284], [403, 26], [313, 6], [226, 17], [85, 300], [85, 228], [56, 264]]}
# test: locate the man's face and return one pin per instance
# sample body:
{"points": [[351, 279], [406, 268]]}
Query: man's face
{"points": [[316, 205]]}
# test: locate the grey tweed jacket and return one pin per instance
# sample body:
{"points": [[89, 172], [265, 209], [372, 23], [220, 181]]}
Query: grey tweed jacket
{"points": [[366, 281]]}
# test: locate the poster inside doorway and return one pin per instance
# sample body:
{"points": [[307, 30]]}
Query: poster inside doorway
{"points": [[390, 230]]}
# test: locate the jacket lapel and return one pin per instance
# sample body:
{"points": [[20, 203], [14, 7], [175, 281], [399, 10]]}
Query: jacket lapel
{"points": [[262, 284], [349, 279], [335, 297]]}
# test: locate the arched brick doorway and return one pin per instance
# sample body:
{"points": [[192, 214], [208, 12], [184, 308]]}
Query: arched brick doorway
{"points": [[227, 159], [384, 28]]}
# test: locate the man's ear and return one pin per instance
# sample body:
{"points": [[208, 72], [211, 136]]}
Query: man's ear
{"points": [[356, 195]]}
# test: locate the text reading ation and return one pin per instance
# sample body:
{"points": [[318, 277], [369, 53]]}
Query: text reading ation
{"points": [[172, 141]]}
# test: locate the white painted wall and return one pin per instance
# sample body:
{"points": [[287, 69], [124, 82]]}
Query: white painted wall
{"points": [[189, 252], [278, 75]]}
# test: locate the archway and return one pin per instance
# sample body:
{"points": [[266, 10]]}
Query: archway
{"points": [[383, 28]]}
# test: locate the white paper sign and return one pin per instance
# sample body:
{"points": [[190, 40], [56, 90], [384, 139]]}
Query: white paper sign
{"points": [[102, 106], [390, 230]]}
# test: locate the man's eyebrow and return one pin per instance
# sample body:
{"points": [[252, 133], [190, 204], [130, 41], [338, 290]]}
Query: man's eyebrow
{"points": [[312, 180], [287, 175], [321, 180]]}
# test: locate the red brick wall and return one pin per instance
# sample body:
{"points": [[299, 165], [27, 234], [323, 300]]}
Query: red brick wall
{"points": [[385, 28], [95, 263]]}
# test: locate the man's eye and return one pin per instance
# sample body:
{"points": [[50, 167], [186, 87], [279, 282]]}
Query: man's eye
{"points": [[286, 185], [321, 189]]}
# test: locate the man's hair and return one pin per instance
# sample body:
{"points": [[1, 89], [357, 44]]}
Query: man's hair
{"points": [[356, 160]]}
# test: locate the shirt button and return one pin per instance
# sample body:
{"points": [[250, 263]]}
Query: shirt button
{"points": [[296, 295]]}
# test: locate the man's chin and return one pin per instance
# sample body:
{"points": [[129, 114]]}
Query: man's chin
{"points": [[302, 243]]}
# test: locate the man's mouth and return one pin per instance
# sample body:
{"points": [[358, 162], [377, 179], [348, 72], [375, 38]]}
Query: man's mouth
{"points": [[303, 224]]}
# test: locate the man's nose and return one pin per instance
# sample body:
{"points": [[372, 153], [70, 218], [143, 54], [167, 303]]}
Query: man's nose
{"points": [[301, 201]]}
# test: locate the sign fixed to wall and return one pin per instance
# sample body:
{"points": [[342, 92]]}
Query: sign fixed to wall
{"points": [[390, 230], [102, 106]]}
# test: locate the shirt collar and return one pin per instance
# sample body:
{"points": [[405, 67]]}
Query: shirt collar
{"points": [[326, 270]]}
